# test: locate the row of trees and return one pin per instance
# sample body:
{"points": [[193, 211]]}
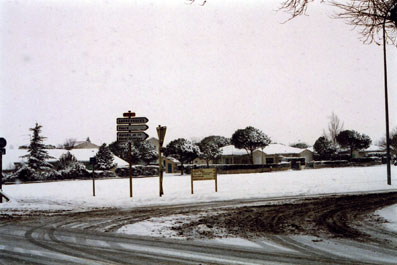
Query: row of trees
{"points": [[209, 148], [67, 166], [348, 139]]}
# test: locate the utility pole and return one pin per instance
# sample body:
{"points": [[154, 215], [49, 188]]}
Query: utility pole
{"points": [[386, 106]]}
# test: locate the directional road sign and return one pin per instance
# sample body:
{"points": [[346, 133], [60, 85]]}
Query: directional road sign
{"points": [[135, 120], [126, 128], [131, 136]]}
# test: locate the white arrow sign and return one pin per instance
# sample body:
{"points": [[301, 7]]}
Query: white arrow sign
{"points": [[134, 120], [138, 127], [131, 136]]}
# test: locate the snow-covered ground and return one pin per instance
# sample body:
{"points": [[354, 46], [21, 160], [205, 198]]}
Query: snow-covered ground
{"points": [[390, 214], [77, 195]]}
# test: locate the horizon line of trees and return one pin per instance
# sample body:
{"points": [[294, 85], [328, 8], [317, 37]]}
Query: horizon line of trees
{"points": [[185, 151]]}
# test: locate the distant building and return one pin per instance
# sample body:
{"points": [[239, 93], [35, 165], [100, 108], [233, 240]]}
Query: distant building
{"points": [[15, 157], [170, 164], [85, 145], [372, 150], [154, 142], [271, 154]]}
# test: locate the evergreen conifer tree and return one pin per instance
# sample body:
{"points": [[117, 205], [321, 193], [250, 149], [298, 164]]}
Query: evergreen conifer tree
{"points": [[37, 155], [104, 157]]}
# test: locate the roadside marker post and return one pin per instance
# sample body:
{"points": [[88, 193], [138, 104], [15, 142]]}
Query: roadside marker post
{"points": [[203, 174], [161, 130], [129, 129], [93, 162], [3, 144]]}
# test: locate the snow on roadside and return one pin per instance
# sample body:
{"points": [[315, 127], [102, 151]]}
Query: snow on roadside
{"points": [[390, 214], [77, 195]]}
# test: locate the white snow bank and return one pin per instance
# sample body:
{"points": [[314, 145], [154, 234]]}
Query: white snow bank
{"points": [[390, 214], [77, 195]]}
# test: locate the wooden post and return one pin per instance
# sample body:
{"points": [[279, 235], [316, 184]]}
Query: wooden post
{"points": [[130, 168], [161, 130], [93, 180], [216, 181], [191, 182], [1, 174], [160, 173]]}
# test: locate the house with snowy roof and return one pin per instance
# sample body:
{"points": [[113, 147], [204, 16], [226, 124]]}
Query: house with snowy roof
{"points": [[271, 154], [16, 157], [276, 153], [372, 150], [170, 164], [85, 145]]}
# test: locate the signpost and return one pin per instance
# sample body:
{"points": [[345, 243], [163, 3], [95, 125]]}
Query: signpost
{"points": [[161, 134], [204, 174], [3, 144], [131, 129]]}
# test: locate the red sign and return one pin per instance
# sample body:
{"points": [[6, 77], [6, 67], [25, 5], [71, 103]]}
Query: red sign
{"points": [[129, 114]]}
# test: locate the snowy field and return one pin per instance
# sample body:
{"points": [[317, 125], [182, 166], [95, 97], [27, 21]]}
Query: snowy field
{"points": [[77, 195]]}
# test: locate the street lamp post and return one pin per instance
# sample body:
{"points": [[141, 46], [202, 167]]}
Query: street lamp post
{"points": [[386, 105]]}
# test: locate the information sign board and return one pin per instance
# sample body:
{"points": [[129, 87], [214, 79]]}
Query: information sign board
{"points": [[204, 174]]}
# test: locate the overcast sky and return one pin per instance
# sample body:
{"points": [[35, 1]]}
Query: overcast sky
{"points": [[75, 66]]}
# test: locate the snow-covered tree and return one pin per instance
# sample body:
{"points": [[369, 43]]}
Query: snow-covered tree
{"points": [[146, 152], [353, 140], [183, 150], [37, 155], [66, 160], [393, 141], [140, 151], [69, 168], [324, 147], [250, 139], [209, 151], [300, 145], [220, 141], [69, 143], [104, 158]]}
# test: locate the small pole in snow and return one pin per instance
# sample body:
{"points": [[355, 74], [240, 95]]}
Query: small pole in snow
{"points": [[130, 168], [3, 144], [93, 162]]}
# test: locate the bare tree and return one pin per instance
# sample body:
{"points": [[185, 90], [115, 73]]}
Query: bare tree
{"points": [[203, 2], [335, 126], [296, 7], [69, 143], [371, 17], [393, 141], [368, 15]]}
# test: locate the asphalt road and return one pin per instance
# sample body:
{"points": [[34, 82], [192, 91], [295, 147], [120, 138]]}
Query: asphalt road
{"points": [[89, 238]]}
